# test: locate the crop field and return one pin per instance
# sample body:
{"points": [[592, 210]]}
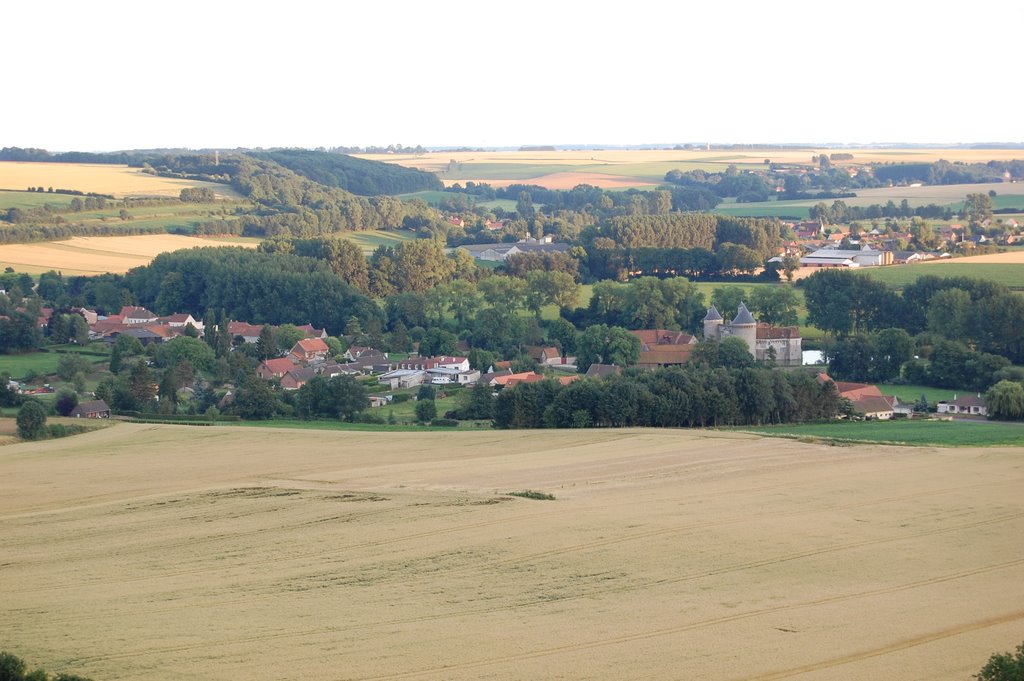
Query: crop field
{"points": [[99, 178], [617, 168], [99, 254], [226, 553]]}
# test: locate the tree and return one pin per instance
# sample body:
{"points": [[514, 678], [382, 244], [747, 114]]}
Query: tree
{"points": [[31, 420], [266, 344], [70, 363], [774, 305], [727, 299], [602, 344], [66, 402], [978, 208], [1004, 667], [1005, 401], [426, 410]]}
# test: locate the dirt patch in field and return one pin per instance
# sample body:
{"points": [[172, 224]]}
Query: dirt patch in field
{"points": [[158, 552], [99, 254]]}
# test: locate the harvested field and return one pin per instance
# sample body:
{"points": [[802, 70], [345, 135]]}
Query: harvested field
{"points": [[1010, 257], [639, 167], [568, 180], [99, 254], [116, 180], [225, 553]]}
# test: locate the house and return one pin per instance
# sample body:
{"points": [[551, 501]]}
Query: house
{"points": [[90, 316], [297, 377], [312, 332], [488, 377], [428, 363], [602, 371], [131, 314], [310, 350], [545, 354], [782, 344], [973, 405], [181, 320], [440, 376], [874, 407], [250, 333], [274, 368], [516, 379], [96, 409]]}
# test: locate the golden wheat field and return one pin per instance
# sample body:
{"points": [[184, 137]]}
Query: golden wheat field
{"points": [[117, 180], [168, 552], [618, 168], [88, 255]]}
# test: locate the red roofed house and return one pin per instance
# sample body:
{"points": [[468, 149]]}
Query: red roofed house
{"points": [[312, 332], [310, 350], [515, 379], [662, 348], [250, 333], [274, 368], [131, 314], [544, 355]]}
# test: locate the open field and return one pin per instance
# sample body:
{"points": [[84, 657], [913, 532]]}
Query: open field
{"points": [[98, 178], [616, 168], [99, 254], [1008, 195], [225, 553], [370, 240], [912, 393], [23, 199], [961, 433], [1006, 269]]}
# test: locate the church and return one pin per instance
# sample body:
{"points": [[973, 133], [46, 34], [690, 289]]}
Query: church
{"points": [[780, 343]]}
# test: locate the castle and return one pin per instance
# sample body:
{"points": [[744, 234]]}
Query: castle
{"points": [[781, 343]]}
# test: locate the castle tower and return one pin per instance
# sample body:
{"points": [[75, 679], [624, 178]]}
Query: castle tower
{"points": [[712, 324], [745, 327]]}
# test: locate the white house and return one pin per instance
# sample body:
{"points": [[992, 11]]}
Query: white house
{"points": [[968, 404]]}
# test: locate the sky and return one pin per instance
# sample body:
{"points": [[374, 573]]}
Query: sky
{"points": [[103, 75]]}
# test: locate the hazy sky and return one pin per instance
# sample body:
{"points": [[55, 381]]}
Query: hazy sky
{"points": [[121, 75]]}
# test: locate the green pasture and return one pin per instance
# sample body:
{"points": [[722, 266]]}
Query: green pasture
{"points": [[23, 199], [912, 393], [898, 276], [431, 196], [906, 432], [370, 240], [435, 197], [45, 363]]}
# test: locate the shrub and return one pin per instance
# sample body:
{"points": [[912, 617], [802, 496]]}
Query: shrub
{"points": [[533, 494], [1004, 667], [31, 421], [447, 423]]}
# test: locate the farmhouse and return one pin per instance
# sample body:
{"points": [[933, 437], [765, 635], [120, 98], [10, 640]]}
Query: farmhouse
{"points": [[310, 350], [783, 344], [544, 355], [297, 377], [501, 251], [137, 315], [96, 409], [250, 333], [835, 257], [602, 371], [973, 405], [274, 368]]}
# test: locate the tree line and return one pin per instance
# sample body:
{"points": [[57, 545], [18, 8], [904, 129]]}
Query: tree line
{"points": [[680, 397]]}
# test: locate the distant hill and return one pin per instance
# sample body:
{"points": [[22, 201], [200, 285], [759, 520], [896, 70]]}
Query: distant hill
{"points": [[355, 175]]}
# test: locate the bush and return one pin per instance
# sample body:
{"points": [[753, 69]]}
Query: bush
{"points": [[369, 417], [31, 421], [447, 423], [1004, 667], [426, 411], [533, 494], [401, 397]]}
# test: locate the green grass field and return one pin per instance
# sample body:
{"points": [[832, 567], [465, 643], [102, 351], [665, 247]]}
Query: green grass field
{"points": [[23, 199], [370, 240], [45, 363], [912, 393], [1008, 274], [915, 432]]}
